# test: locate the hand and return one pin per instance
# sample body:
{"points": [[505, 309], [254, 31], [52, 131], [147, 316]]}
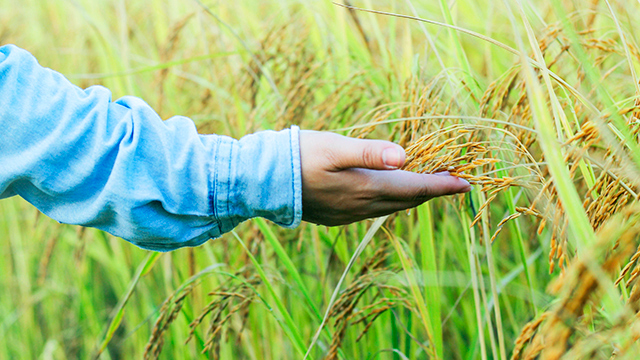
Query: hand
{"points": [[345, 180]]}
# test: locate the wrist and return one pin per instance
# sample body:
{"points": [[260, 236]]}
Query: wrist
{"points": [[258, 176]]}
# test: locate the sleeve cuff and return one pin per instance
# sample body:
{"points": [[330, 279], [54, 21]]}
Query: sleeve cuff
{"points": [[258, 176], [296, 167]]}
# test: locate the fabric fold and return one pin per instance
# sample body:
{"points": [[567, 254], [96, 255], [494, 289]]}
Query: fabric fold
{"points": [[83, 159]]}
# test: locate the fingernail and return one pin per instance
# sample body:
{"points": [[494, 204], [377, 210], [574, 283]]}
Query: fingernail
{"points": [[393, 157], [466, 184]]}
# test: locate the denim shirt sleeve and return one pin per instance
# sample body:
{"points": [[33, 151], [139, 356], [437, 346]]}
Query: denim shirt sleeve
{"points": [[82, 159]]}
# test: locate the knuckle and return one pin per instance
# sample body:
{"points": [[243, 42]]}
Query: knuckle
{"points": [[332, 157], [424, 194], [369, 157], [369, 185]]}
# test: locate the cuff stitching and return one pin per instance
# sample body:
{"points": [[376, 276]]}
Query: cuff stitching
{"points": [[296, 168]]}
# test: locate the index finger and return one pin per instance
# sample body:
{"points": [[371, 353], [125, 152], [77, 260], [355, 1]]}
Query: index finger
{"points": [[412, 187]]}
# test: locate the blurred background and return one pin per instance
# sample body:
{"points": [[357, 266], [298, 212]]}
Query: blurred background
{"points": [[426, 287]]}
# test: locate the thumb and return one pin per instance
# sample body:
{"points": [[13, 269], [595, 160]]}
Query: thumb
{"points": [[369, 154]]}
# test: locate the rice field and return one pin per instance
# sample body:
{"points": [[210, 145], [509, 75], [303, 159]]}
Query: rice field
{"points": [[536, 103]]}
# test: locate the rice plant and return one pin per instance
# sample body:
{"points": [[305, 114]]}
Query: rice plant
{"points": [[537, 104]]}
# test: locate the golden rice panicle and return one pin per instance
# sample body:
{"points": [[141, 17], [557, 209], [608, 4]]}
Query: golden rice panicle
{"points": [[526, 335], [628, 267], [228, 300], [168, 313], [559, 328], [367, 298]]}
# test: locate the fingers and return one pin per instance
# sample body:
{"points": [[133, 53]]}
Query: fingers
{"points": [[347, 180], [404, 186], [377, 193], [346, 153]]}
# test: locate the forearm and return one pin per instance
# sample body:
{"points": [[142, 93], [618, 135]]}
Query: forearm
{"points": [[82, 159]]}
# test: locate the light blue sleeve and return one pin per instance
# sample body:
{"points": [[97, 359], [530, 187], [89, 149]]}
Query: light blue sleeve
{"points": [[82, 159]]}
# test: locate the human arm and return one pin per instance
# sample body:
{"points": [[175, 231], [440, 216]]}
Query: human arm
{"points": [[82, 159], [345, 180]]}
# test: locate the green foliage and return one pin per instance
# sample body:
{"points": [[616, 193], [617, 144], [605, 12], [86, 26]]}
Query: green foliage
{"points": [[417, 285]]}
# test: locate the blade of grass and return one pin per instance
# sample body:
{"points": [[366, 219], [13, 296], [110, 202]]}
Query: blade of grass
{"points": [[583, 234], [583, 99], [363, 244], [118, 312], [492, 275], [558, 112], [616, 131], [627, 53], [377, 32], [290, 327], [235, 34], [429, 264], [463, 61], [468, 235], [145, 69], [485, 303], [579, 223], [428, 36], [511, 205], [288, 264], [19, 255], [409, 268], [291, 269], [394, 351]]}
